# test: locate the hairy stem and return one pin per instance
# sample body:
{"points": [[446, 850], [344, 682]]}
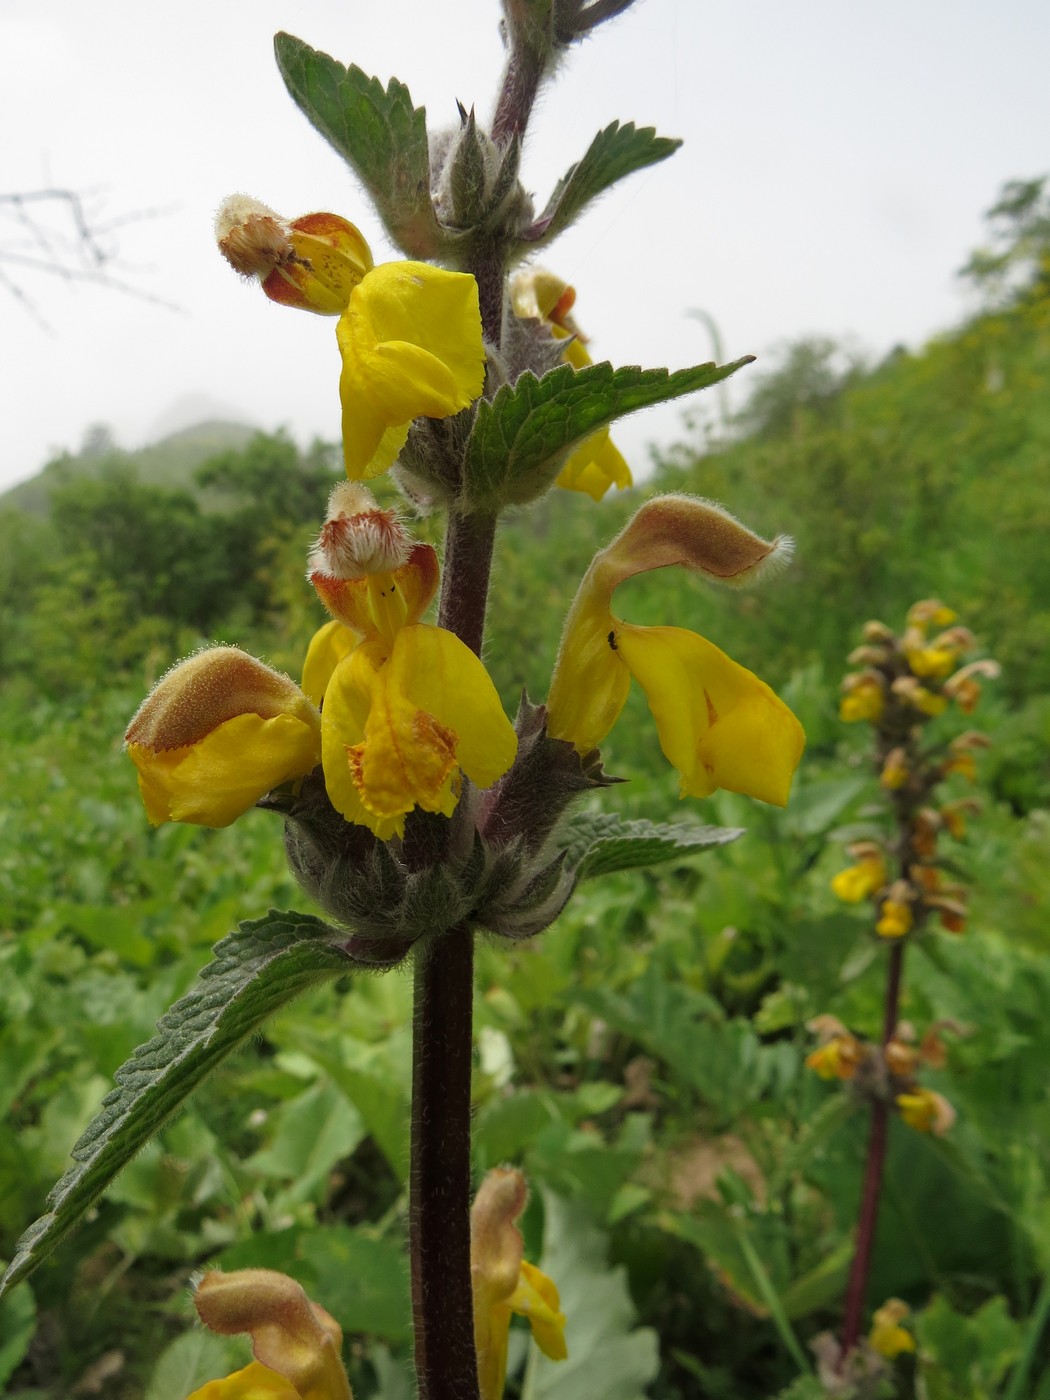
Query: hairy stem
{"points": [[465, 576], [439, 1216], [868, 1215], [521, 82]]}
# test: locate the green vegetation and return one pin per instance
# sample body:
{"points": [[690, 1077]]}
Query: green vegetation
{"points": [[694, 1186]]}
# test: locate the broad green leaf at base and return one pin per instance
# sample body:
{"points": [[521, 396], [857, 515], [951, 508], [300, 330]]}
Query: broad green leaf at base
{"points": [[259, 968]]}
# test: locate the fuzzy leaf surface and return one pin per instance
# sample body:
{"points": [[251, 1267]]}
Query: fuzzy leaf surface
{"points": [[600, 842], [615, 152], [521, 438], [378, 132], [257, 969]]}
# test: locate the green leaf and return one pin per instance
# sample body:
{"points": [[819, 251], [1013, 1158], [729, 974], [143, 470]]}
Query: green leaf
{"points": [[363, 1280], [615, 152], [382, 1104], [377, 131], [310, 1133], [17, 1325], [600, 842], [260, 967], [608, 1355], [522, 437], [190, 1361]]}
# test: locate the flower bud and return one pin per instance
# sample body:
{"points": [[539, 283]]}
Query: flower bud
{"points": [[218, 732], [895, 914], [911, 692], [358, 538], [930, 612], [292, 1338], [964, 688], [926, 1111], [895, 772], [863, 698], [313, 262]]}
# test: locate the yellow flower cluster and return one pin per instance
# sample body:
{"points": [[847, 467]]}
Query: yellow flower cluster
{"points": [[904, 682], [885, 1072], [396, 711]]}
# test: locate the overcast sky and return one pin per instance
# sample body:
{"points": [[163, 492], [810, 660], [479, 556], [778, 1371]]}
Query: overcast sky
{"points": [[837, 160]]}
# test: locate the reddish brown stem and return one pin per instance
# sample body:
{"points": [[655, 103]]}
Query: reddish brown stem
{"points": [[868, 1215], [439, 1215], [469, 540], [521, 82]]}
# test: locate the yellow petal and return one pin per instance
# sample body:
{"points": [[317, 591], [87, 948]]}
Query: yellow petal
{"points": [[536, 1297], [440, 674], [719, 725], [328, 646], [396, 732], [411, 344], [594, 467], [590, 682], [490, 1342], [216, 779], [253, 1382], [406, 759], [856, 882], [352, 601]]}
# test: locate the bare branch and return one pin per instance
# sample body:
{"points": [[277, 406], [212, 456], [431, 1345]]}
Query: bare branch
{"points": [[60, 232]]}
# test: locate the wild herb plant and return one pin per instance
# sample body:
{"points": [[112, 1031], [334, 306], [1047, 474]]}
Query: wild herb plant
{"points": [[904, 684], [416, 814]]}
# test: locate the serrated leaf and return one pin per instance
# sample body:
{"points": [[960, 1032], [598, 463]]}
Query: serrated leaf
{"points": [[378, 132], [600, 842], [521, 438], [258, 968], [615, 152]]}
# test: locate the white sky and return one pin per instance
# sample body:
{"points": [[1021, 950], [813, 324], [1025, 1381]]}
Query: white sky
{"points": [[838, 158]]}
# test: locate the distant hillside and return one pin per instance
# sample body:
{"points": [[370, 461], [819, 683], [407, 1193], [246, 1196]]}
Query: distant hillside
{"points": [[170, 462]]}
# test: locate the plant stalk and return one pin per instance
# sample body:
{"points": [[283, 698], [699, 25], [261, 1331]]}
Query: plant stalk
{"points": [[439, 1211], [868, 1215], [442, 1030]]}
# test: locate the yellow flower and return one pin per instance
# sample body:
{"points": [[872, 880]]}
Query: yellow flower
{"points": [[859, 881], [895, 919], [926, 1111], [718, 724], [400, 725], [864, 699], [217, 732], [411, 344], [920, 697], [838, 1059], [935, 661], [597, 463], [408, 707], [895, 772], [409, 334], [296, 1343], [505, 1283], [930, 612], [887, 1336], [312, 263]]}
